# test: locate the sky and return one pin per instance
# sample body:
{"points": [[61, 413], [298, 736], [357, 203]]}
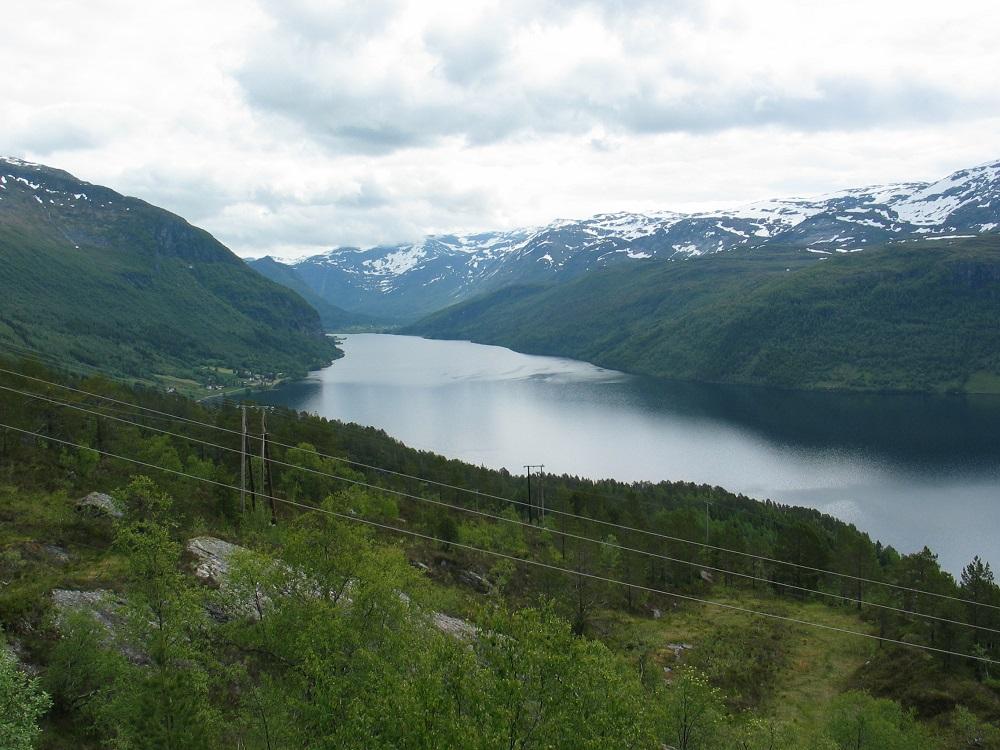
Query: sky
{"points": [[288, 127]]}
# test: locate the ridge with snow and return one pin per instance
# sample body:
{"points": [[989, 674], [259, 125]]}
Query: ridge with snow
{"points": [[407, 281]]}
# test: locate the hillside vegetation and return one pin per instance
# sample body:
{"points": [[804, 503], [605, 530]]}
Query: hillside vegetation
{"points": [[916, 317], [97, 278], [334, 318], [477, 625]]}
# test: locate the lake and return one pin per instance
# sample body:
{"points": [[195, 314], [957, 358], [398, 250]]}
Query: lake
{"points": [[910, 469]]}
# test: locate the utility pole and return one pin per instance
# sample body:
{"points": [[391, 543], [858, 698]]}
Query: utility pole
{"points": [[265, 468], [246, 467], [243, 463], [532, 513], [541, 492], [707, 503]]}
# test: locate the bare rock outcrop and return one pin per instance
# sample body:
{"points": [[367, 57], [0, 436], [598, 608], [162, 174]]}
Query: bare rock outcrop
{"points": [[99, 504], [212, 565]]}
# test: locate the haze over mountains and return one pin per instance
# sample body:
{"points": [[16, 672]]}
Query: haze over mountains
{"points": [[407, 281]]}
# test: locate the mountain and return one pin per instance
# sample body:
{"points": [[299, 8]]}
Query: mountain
{"points": [[94, 277], [408, 281], [332, 317], [914, 316]]}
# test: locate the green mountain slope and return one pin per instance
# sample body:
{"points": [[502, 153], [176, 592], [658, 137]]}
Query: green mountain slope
{"points": [[921, 316], [95, 277], [334, 318]]}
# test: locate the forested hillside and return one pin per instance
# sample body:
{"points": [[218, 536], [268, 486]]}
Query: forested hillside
{"points": [[918, 316], [333, 317], [95, 277], [390, 606]]}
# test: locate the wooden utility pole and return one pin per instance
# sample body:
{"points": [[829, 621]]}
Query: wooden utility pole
{"points": [[246, 468], [265, 461], [243, 463], [533, 514], [707, 521]]}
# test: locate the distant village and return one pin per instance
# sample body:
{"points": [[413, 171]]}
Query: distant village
{"points": [[224, 379]]}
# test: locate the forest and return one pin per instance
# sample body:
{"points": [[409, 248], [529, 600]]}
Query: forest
{"points": [[919, 316], [379, 596]]}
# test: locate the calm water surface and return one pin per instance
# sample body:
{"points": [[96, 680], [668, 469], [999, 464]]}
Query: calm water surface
{"points": [[911, 470]]}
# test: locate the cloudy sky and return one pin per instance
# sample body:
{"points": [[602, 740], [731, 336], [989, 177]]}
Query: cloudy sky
{"points": [[292, 126]]}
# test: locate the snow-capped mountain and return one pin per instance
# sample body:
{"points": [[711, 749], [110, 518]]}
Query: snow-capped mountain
{"points": [[410, 280]]}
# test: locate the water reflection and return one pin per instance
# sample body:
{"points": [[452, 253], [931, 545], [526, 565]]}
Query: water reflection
{"points": [[910, 469]]}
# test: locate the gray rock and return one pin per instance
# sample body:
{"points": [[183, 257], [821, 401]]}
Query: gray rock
{"points": [[105, 607], [213, 557], [212, 567], [101, 603], [99, 504], [476, 581], [58, 554], [17, 652], [454, 626]]}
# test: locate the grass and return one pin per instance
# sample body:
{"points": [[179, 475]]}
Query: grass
{"points": [[812, 665], [820, 666]]}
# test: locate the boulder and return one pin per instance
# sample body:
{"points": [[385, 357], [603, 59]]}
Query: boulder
{"points": [[19, 656], [105, 607], [454, 626], [476, 581], [99, 504], [100, 603], [212, 557]]}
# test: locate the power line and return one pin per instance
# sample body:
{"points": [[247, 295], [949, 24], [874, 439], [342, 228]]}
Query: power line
{"points": [[247, 473], [623, 527], [514, 558]]}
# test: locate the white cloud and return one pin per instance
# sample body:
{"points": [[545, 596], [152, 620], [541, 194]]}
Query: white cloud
{"points": [[295, 125]]}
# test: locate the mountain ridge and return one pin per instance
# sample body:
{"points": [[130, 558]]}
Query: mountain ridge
{"points": [[97, 277], [408, 281]]}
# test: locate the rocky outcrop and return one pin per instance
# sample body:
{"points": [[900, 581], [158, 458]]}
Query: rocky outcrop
{"points": [[212, 557], [212, 566], [99, 504], [454, 626], [101, 603], [105, 608], [472, 579]]}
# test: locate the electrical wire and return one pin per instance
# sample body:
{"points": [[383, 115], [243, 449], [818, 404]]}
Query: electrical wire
{"points": [[515, 521], [610, 524], [514, 558]]}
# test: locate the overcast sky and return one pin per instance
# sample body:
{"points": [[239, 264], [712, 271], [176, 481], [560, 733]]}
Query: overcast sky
{"points": [[291, 126]]}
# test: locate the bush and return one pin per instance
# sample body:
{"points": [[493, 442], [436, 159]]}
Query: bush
{"points": [[22, 703]]}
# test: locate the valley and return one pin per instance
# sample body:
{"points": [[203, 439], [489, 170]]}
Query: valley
{"points": [[413, 375]]}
